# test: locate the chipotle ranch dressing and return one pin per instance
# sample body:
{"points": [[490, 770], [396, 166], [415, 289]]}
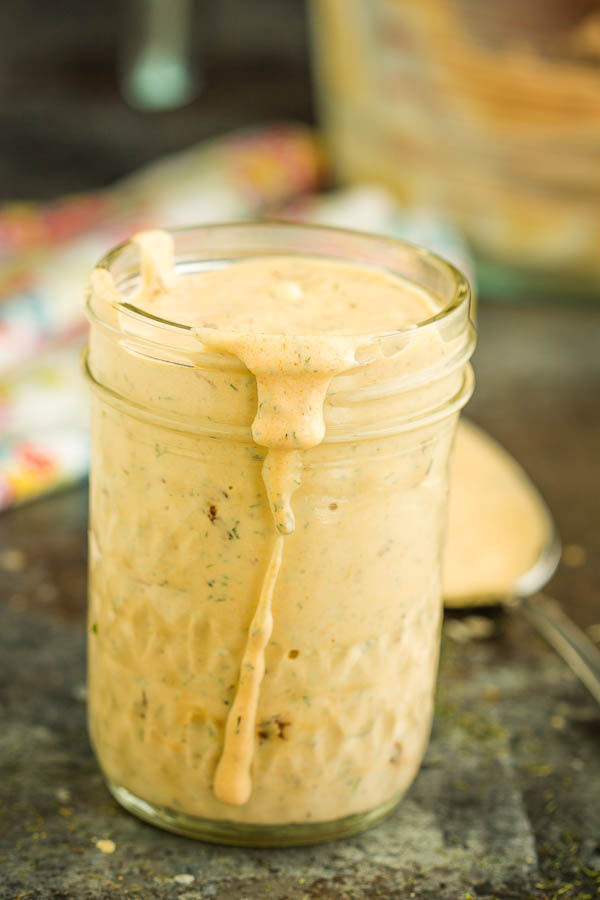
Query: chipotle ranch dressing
{"points": [[498, 526], [301, 335]]}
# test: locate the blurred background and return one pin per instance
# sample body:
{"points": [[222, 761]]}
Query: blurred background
{"points": [[486, 113], [66, 118], [469, 126]]}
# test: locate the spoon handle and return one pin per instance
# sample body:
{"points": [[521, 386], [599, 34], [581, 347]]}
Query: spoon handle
{"points": [[568, 640]]}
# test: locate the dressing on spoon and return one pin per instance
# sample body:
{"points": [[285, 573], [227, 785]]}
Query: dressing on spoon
{"points": [[498, 525], [502, 546]]}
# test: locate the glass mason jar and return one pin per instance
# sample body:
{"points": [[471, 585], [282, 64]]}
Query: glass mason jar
{"points": [[486, 111], [181, 533]]}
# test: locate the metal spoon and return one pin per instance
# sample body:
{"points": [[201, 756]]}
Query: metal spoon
{"points": [[475, 508]]}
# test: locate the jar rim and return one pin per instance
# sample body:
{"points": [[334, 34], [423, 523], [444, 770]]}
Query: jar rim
{"points": [[335, 434], [457, 305]]}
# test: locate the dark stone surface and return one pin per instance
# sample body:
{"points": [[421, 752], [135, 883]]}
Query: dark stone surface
{"points": [[507, 803]]}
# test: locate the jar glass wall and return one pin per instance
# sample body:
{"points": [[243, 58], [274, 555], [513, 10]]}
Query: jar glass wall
{"points": [[181, 535]]}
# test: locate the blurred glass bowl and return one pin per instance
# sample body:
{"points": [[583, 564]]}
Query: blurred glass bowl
{"points": [[488, 112]]}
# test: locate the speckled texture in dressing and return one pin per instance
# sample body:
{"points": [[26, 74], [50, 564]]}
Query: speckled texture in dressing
{"points": [[274, 661]]}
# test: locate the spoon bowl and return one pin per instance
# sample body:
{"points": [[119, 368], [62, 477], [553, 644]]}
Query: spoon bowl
{"points": [[502, 547]]}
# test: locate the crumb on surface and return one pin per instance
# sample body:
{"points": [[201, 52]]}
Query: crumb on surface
{"points": [[106, 846]]}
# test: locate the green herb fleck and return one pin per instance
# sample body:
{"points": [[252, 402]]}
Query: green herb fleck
{"points": [[232, 386], [159, 450], [94, 628]]}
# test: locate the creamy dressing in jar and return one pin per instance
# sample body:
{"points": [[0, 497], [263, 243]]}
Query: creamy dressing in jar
{"points": [[271, 446]]}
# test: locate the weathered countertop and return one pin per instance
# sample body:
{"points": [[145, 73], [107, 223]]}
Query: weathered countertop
{"points": [[507, 803]]}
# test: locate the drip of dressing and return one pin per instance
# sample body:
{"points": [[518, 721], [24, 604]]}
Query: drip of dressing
{"points": [[157, 262], [289, 418], [232, 783], [293, 375]]}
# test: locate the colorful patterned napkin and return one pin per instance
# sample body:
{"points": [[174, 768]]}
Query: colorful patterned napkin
{"points": [[47, 252]]}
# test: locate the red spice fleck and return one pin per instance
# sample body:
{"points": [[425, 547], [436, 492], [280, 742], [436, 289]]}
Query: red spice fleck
{"points": [[281, 726], [396, 753]]}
